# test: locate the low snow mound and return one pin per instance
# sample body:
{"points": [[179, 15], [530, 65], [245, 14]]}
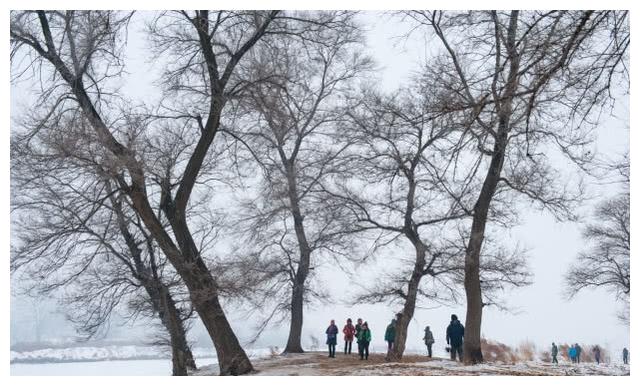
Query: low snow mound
{"points": [[78, 354], [112, 352]]}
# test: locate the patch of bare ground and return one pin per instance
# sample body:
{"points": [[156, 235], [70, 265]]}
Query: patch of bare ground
{"points": [[321, 364]]}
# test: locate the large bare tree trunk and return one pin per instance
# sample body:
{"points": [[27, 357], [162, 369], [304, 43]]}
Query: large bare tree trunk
{"points": [[404, 319], [294, 343], [472, 350], [181, 356], [203, 291]]}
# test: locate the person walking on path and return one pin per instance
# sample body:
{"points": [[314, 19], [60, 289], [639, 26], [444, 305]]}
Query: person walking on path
{"points": [[554, 353], [349, 332], [364, 338], [455, 335], [596, 354], [573, 353], [578, 352], [390, 334], [625, 356], [428, 339], [332, 338]]}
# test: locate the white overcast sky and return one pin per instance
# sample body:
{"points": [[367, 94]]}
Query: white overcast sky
{"points": [[543, 316]]}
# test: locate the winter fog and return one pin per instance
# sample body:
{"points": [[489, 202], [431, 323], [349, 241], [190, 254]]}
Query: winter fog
{"points": [[528, 298]]}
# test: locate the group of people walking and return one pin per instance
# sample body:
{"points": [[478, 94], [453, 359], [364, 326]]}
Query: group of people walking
{"points": [[574, 352], [455, 339], [362, 334], [360, 331]]}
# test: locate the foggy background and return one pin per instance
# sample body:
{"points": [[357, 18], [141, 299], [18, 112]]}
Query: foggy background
{"points": [[539, 313]]}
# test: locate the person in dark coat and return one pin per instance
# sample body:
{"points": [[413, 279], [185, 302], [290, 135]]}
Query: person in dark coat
{"points": [[390, 334], [364, 338], [455, 336], [578, 352], [358, 328], [428, 339], [554, 353], [596, 354], [332, 338], [625, 356], [349, 332]]}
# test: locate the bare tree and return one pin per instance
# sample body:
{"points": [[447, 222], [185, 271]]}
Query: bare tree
{"points": [[77, 234], [528, 84], [408, 184], [606, 263], [78, 52], [290, 123]]}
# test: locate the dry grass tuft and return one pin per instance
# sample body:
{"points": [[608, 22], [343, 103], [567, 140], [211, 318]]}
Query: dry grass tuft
{"points": [[526, 351], [497, 352]]}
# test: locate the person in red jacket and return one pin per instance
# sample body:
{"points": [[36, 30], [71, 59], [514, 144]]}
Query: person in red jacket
{"points": [[349, 332]]}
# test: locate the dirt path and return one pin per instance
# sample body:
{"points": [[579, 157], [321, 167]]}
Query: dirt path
{"points": [[318, 363]]}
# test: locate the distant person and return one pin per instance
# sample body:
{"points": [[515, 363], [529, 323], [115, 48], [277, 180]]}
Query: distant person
{"points": [[428, 339], [554, 353], [596, 354], [364, 338], [625, 356], [455, 335], [578, 352], [390, 334], [573, 353], [349, 332], [332, 338]]}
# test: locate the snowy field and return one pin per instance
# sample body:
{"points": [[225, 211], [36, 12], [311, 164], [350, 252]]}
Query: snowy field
{"points": [[108, 360], [107, 367]]}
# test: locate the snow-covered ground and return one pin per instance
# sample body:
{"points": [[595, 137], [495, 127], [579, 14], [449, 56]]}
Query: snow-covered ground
{"points": [[144, 360], [107, 360], [320, 364], [110, 367]]}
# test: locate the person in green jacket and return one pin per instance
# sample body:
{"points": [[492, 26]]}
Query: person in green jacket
{"points": [[364, 338], [390, 334], [554, 353]]}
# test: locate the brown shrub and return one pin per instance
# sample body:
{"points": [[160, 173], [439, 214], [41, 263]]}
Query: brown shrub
{"points": [[545, 356], [526, 351], [497, 352]]}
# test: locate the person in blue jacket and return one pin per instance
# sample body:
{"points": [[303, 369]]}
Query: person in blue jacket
{"points": [[573, 353]]}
